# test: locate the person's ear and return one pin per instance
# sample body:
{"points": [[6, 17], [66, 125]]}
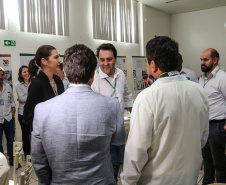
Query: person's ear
{"points": [[154, 66], [92, 76], [44, 62], [215, 61], [64, 73]]}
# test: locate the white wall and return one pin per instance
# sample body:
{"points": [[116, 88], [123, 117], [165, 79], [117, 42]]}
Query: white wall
{"points": [[196, 31], [80, 15], [155, 23]]}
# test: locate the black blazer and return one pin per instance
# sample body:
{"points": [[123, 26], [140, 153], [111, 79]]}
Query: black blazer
{"points": [[39, 91]]}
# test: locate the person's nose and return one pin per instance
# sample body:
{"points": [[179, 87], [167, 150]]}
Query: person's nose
{"points": [[202, 62], [59, 61], [105, 62]]}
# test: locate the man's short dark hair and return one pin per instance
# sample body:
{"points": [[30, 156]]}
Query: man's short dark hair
{"points": [[180, 59], [164, 52], [214, 54], [79, 63], [107, 46]]}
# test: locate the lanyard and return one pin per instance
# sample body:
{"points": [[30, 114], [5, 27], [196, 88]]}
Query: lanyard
{"points": [[205, 82], [110, 83], [114, 87], [71, 86]]}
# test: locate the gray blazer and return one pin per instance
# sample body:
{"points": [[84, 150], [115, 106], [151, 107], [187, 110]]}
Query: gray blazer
{"points": [[71, 137]]}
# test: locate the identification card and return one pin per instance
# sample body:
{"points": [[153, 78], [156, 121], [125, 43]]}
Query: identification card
{"points": [[1, 102]]}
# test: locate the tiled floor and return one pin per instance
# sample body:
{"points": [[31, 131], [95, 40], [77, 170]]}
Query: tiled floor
{"points": [[34, 179]]}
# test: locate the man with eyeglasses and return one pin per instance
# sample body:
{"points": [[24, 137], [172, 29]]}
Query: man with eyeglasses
{"points": [[111, 82], [213, 80], [7, 113]]}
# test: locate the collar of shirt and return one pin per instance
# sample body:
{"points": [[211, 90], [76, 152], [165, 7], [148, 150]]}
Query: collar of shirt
{"points": [[65, 78], [76, 85], [22, 83], [104, 75], [169, 79], [182, 71], [212, 74]]}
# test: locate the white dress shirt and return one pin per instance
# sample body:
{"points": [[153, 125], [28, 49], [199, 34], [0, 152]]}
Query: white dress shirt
{"points": [[215, 88], [66, 83], [22, 91], [189, 74], [118, 88], [6, 97], [169, 127]]}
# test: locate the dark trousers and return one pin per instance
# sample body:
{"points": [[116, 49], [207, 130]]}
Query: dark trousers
{"points": [[117, 158], [8, 127], [26, 136], [214, 154]]}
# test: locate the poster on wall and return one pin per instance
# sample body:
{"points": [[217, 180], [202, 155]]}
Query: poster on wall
{"points": [[5, 63], [139, 74], [25, 58], [120, 63]]}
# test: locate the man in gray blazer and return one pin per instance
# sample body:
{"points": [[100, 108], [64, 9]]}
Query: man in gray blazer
{"points": [[72, 132]]}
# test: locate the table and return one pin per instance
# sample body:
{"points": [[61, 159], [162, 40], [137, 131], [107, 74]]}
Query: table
{"points": [[4, 170]]}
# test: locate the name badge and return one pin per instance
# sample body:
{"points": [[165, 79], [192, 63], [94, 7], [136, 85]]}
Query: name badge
{"points": [[1, 102]]}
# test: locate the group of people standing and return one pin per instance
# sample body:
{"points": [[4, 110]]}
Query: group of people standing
{"points": [[42, 80], [78, 137]]}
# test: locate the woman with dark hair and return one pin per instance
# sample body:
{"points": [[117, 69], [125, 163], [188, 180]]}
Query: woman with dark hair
{"points": [[45, 85], [24, 79]]}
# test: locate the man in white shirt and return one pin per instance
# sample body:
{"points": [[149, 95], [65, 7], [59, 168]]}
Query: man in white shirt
{"points": [[169, 123], [189, 74], [111, 82], [60, 73], [7, 113], [213, 81]]}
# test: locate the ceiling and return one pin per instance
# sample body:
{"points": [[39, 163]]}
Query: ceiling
{"points": [[182, 6]]}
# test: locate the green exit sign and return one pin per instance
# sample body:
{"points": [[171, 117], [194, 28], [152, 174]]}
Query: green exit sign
{"points": [[9, 42]]}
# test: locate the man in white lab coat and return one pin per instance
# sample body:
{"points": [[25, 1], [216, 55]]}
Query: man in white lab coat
{"points": [[169, 123]]}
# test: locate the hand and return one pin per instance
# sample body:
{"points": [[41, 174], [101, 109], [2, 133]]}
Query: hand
{"points": [[130, 109], [18, 100], [225, 127], [13, 112]]}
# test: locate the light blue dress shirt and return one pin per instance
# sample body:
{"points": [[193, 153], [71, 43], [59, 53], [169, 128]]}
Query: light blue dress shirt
{"points": [[215, 89], [6, 96]]}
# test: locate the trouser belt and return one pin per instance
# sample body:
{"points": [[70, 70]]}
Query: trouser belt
{"points": [[217, 121]]}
